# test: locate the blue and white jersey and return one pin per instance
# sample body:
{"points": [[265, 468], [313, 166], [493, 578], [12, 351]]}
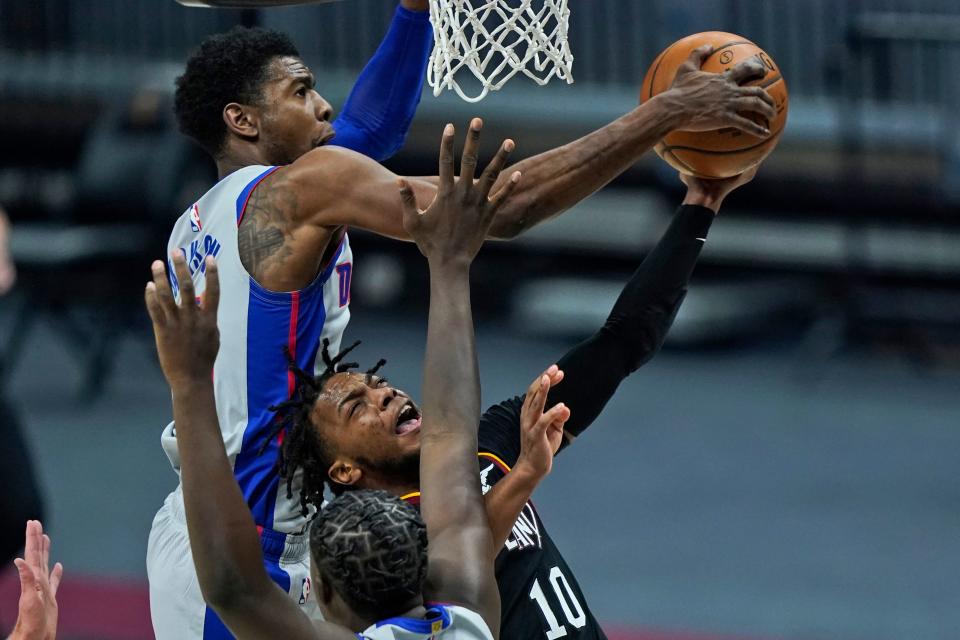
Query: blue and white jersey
{"points": [[442, 622], [251, 372]]}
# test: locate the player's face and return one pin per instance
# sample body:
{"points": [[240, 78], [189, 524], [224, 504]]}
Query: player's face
{"points": [[369, 425], [294, 118]]}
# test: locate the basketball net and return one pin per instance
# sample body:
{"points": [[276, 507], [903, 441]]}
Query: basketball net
{"points": [[496, 39]]}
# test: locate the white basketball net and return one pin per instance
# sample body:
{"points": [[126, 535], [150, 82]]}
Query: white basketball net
{"points": [[496, 39]]}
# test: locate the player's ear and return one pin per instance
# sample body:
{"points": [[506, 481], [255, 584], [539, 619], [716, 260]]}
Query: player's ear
{"points": [[242, 120], [342, 472]]}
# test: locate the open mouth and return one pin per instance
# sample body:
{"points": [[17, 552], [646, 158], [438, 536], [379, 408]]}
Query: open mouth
{"points": [[408, 420]]}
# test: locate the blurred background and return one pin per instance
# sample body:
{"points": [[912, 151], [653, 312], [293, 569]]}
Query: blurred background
{"points": [[786, 468]]}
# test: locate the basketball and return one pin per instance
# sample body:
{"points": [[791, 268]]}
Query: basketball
{"points": [[725, 152]]}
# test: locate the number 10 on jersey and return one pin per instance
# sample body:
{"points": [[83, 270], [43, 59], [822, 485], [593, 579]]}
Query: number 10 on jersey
{"points": [[571, 607]]}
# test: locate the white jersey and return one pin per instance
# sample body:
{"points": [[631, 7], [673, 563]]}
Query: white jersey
{"points": [[256, 325], [442, 622]]}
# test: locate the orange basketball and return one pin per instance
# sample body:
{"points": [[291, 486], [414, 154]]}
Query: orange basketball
{"points": [[724, 152]]}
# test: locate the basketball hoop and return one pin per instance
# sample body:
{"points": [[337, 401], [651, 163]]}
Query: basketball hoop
{"points": [[496, 39]]}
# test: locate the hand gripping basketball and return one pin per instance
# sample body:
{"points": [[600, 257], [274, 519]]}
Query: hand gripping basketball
{"points": [[454, 226], [717, 100]]}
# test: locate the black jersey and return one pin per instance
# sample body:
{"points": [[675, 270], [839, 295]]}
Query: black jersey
{"points": [[540, 598]]}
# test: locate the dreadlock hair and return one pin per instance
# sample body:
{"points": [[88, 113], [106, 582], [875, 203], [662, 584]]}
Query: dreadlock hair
{"points": [[301, 446], [226, 67], [372, 548]]}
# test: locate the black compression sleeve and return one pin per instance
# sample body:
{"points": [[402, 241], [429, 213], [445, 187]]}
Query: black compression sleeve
{"points": [[636, 328]]}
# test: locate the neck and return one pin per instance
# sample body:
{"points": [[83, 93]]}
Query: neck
{"points": [[240, 155], [399, 489]]}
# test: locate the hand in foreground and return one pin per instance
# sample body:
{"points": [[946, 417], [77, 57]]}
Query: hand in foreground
{"points": [[454, 226], [37, 616], [717, 100], [711, 193], [541, 433], [186, 334]]}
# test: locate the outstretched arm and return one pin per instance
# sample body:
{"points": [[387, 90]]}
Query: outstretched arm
{"points": [[645, 310], [335, 187], [376, 117], [223, 536], [450, 234]]}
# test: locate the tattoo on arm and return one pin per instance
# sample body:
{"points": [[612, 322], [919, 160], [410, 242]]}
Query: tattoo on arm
{"points": [[263, 237]]}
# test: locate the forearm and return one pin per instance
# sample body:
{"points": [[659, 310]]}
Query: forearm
{"points": [[451, 379], [376, 116], [638, 324], [506, 500], [451, 405], [555, 180], [223, 536]]}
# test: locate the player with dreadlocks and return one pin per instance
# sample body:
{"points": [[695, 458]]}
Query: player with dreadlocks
{"points": [[334, 429], [373, 579]]}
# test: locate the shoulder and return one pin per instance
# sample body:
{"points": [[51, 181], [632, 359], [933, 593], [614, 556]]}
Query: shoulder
{"points": [[327, 161]]}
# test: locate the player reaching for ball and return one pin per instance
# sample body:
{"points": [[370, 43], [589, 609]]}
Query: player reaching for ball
{"points": [[276, 222], [377, 574]]}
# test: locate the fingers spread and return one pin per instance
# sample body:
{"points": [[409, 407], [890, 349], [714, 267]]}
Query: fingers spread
{"points": [[446, 158], [45, 556], [164, 294], [154, 308], [55, 577], [497, 201], [468, 164], [537, 397], [211, 293], [188, 299], [492, 172], [32, 547], [27, 578]]}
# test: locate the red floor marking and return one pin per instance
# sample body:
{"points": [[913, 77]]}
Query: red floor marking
{"points": [[90, 607]]}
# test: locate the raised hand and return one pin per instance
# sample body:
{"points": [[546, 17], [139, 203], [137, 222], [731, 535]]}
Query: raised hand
{"points": [[710, 193], [186, 334], [454, 226], [37, 615], [717, 100], [541, 433]]}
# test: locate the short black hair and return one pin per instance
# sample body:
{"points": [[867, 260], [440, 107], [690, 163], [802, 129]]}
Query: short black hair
{"points": [[302, 448], [226, 67], [371, 547]]}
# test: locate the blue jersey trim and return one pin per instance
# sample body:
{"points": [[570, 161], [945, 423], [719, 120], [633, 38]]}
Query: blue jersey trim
{"points": [[245, 194], [420, 625], [284, 296]]}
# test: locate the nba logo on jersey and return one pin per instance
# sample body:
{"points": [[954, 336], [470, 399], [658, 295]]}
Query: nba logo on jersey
{"points": [[195, 223], [305, 590]]}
